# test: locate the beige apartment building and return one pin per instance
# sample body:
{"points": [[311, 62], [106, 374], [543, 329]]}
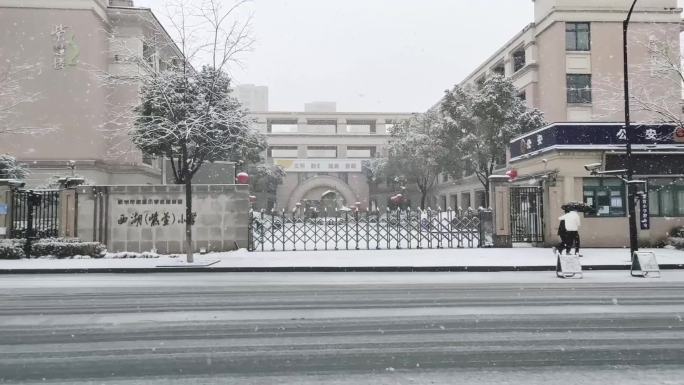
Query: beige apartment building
{"points": [[67, 46], [568, 63], [322, 152]]}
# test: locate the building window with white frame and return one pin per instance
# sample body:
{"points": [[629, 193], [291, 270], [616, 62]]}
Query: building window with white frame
{"points": [[579, 88], [360, 127], [360, 152], [283, 152], [577, 37], [285, 126]]}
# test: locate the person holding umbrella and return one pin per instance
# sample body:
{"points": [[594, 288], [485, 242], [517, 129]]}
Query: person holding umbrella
{"points": [[568, 229]]}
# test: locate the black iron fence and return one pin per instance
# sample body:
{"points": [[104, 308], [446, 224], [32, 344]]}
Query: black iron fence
{"points": [[526, 214], [34, 214], [354, 230]]}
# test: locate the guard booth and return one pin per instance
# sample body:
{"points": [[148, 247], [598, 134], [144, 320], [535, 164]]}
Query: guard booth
{"points": [[550, 165]]}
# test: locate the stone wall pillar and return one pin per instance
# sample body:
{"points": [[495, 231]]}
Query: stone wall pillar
{"points": [[68, 205], [500, 202]]}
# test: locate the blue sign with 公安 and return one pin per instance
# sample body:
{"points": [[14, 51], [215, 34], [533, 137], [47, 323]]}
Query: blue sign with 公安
{"points": [[586, 135]]}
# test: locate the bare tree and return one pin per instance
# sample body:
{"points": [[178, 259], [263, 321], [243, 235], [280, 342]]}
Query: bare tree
{"points": [[185, 114], [13, 96], [655, 86]]}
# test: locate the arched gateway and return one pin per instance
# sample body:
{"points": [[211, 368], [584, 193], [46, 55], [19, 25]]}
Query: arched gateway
{"points": [[322, 186]]}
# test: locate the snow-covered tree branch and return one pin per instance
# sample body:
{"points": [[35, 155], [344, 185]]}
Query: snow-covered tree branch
{"points": [[414, 150], [13, 96], [479, 124], [11, 169], [187, 113]]}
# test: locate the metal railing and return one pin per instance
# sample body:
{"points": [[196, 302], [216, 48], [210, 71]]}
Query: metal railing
{"points": [[34, 214], [354, 230], [526, 214]]}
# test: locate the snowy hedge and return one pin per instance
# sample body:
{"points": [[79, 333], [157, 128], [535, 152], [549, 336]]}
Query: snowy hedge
{"points": [[11, 249], [676, 238], [67, 247], [57, 247]]}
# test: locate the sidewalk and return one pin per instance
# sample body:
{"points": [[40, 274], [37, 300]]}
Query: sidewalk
{"points": [[477, 260]]}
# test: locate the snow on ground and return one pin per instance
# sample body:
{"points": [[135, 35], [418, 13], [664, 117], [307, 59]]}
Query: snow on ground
{"points": [[354, 258], [316, 279]]}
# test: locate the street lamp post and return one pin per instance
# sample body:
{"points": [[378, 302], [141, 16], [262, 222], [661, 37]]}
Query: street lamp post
{"points": [[631, 196]]}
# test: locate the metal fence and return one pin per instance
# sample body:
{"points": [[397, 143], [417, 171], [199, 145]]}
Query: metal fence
{"points": [[34, 214], [526, 214], [354, 230]]}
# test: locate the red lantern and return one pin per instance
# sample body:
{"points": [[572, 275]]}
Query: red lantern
{"points": [[512, 174], [679, 135], [242, 178], [252, 199], [395, 199]]}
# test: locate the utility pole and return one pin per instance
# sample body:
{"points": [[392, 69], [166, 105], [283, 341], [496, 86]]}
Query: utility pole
{"points": [[631, 195]]}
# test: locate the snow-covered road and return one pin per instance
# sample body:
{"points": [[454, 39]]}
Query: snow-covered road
{"points": [[355, 328]]}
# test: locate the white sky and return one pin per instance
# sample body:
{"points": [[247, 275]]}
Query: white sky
{"points": [[371, 55]]}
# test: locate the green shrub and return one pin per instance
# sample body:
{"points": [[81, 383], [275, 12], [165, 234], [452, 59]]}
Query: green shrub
{"points": [[66, 248], [12, 249]]}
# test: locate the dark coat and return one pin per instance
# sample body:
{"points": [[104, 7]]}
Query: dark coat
{"points": [[561, 228]]}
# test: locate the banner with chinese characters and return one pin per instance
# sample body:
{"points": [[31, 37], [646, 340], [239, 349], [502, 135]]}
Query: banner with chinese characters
{"points": [[645, 219], [319, 165], [586, 135]]}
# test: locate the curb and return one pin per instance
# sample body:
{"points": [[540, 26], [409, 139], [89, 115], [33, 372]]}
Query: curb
{"points": [[320, 269]]}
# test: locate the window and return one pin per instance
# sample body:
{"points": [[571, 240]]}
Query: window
{"points": [[454, 201], [522, 95], [465, 200], [499, 69], [281, 126], [283, 152], [360, 152], [321, 152], [577, 37], [518, 59], [480, 199], [360, 127], [445, 177], [666, 197], [579, 88], [606, 196], [443, 202]]}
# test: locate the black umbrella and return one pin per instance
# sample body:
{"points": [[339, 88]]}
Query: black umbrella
{"points": [[579, 207]]}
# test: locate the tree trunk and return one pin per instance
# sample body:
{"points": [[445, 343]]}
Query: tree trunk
{"points": [[188, 219], [423, 195]]}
